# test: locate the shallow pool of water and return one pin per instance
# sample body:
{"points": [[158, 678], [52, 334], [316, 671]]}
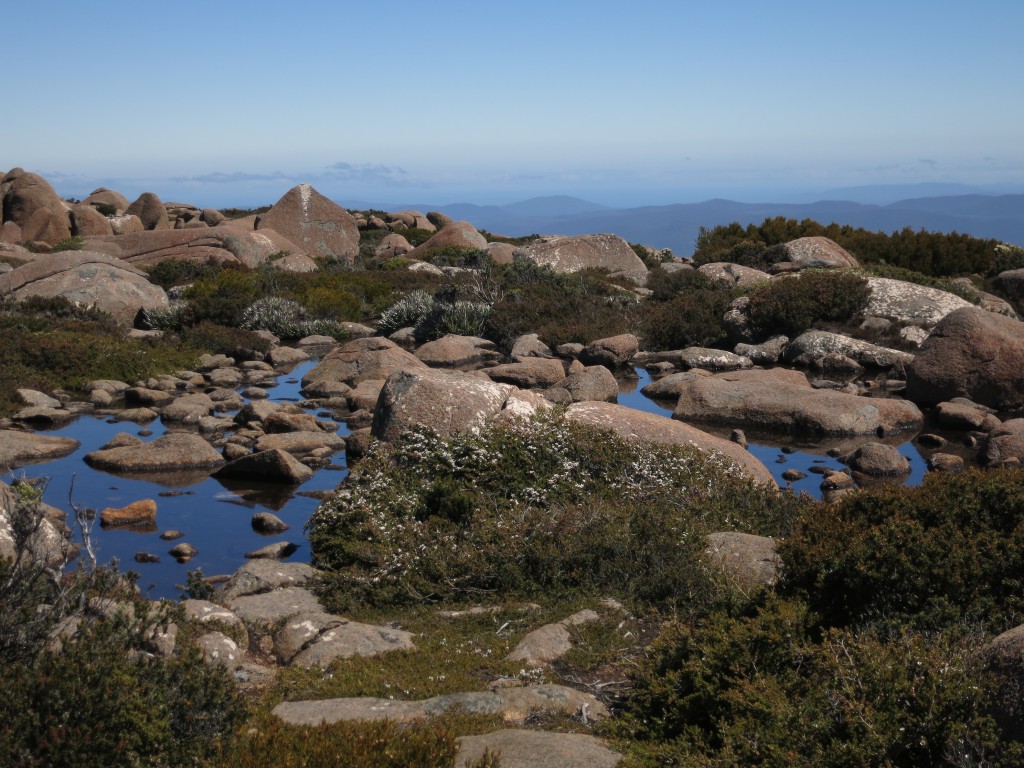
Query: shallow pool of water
{"points": [[804, 455], [214, 515]]}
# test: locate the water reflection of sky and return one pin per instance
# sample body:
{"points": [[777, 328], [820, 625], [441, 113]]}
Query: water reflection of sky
{"points": [[215, 515]]}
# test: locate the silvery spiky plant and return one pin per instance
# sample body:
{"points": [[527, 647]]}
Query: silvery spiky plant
{"points": [[406, 313], [165, 318], [287, 319]]}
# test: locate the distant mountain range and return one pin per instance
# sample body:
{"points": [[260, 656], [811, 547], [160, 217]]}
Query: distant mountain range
{"points": [[676, 226]]}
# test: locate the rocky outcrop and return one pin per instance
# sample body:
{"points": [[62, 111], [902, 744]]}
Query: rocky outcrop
{"points": [[651, 428], [565, 253], [512, 704], [775, 401], [150, 210], [594, 382], [1005, 444], [448, 402], [878, 460], [270, 466], [817, 253], [219, 245], [909, 303], [28, 201], [746, 560], [713, 359], [726, 275], [974, 354], [612, 352], [18, 448], [812, 347], [316, 225], [46, 544], [87, 278], [453, 351], [113, 201], [551, 641], [359, 359], [458, 234], [529, 372]]}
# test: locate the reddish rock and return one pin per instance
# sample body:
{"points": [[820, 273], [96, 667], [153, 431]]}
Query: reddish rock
{"points": [[573, 254], [530, 372], [87, 221], [217, 245], [88, 278], [974, 354], [107, 198], [369, 358], [818, 252], [458, 234], [143, 511], [31, 203], [150, 210], [612, 352], [315, 224]]}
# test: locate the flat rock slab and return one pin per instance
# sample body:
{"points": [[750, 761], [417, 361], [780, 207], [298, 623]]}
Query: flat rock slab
{"points": [[274, 606], [513, 704], [273, 466], [172, 452], [538, 749], [550, 642], [300, 442], [763, 400], [18, 448], [748, 560], [262, 576], [317, 639]]}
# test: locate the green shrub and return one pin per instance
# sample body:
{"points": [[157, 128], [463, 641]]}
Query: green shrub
{"points": [[415, 236], [1005, 258], [790, 305], [758, 689], [222, 298], [690, 319], [667, 285], [532, 507], [219, 339], [171, 272], [948, 551], [457, 256]]}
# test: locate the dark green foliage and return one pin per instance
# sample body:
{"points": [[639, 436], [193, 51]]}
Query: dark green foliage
{"points": [[75, 243], [524, 240], [930, 253], [533, 508], [457, 256], [792, 304], [415, 236], [950, 550], [241, 213], [172, 272], [668, 285], [1007, 257], [559, 307], [107, 209], [50, 344], [689, 319], [366, 744], [757, 688], [94, 697], [219, 339]]}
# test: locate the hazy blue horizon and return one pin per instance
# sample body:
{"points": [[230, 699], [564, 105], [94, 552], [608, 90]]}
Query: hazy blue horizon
{"points": [[655, 103]]}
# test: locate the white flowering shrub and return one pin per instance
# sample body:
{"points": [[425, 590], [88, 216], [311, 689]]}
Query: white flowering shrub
{"points": [[287, 319], [530, 506]]}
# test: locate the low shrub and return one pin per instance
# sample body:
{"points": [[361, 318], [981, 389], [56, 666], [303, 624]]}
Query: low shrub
{"points": [[667, 285], [171, 272], [532, 507], [287, 319], [948, 551], [406, 313], [690, 319], [793, 304], [757, 688], [457, 256]]}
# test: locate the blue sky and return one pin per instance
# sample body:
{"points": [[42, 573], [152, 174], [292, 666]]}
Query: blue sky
{"points": [[223, 103]]}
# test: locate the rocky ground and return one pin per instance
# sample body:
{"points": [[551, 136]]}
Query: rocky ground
{"points": [[541, 675]]}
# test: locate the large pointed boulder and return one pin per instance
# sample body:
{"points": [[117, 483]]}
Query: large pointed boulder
{"points": [[317, 225], [28, 200]]}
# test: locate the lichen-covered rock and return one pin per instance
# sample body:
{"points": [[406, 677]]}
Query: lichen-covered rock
{"points": [[612, 352], [448, 402], [565, 253], [747, 560], [458, 234], [813, 346], [359, 359], [878, 459], [726, 275], [909, 303], [818, 253]]}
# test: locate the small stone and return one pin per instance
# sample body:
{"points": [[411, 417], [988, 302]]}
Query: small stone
{"points": [[792, 475], [739, 437], [171, 535], [277, 551], [268, 523], [183, 552], [146, 557]]}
